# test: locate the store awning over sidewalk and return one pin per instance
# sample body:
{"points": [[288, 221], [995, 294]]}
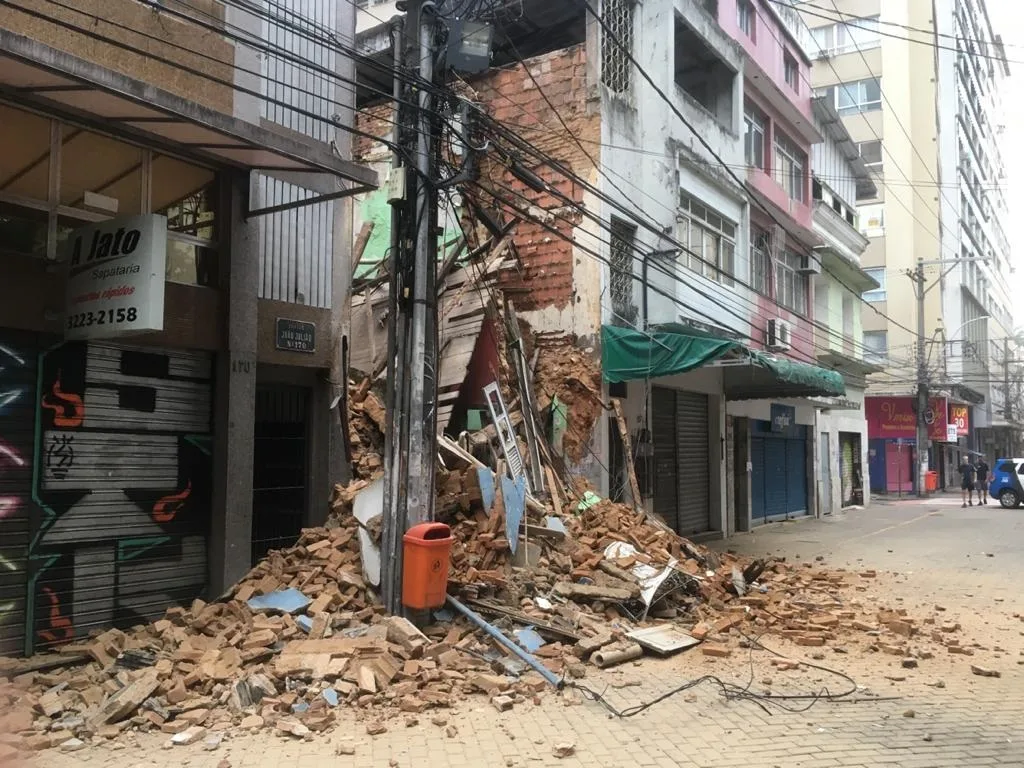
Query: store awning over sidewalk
{"points": [[60, 83], [629, 355]]}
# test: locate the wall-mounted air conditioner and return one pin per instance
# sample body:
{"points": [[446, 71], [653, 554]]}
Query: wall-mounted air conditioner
{"points": [[780, 335], [810, 265]]}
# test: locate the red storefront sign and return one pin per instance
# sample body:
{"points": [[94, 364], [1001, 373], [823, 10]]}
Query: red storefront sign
{"points": [[960, 416], [894, 417]]}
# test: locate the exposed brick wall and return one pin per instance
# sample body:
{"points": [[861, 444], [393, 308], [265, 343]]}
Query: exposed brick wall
{"points": [[510, 96]]}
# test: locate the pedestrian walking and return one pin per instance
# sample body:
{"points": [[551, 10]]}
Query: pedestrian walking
{"points": [[967, 474], [982, 474]]}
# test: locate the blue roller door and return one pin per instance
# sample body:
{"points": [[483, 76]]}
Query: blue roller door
{"points": [[778, 471], [796, 476], [757, 509]]}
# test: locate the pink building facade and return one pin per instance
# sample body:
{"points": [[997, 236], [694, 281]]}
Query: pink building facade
{"points": [[779, 131]]}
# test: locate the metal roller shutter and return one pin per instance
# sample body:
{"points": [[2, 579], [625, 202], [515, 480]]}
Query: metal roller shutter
{"points": [[19, 354], [776, 481], [758, 509], [846, 469], [663, 432], [124, 486], [796, 471], [693, 460]]}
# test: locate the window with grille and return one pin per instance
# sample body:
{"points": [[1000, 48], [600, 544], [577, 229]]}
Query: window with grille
{"points": [[755, 136], [790, 167], [617, 45], [791, 71], [623, 239], [760, 261], [746, 18], [790, 285], [710, 240]]}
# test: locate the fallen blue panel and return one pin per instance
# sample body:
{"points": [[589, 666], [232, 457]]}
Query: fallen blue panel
{"points": [[529, 639], [513, 493], [288, 600], [486, 478]]}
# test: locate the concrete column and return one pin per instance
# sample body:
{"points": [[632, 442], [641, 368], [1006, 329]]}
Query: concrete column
{"points": [[741, 479], [716, 455], [235, 403]]}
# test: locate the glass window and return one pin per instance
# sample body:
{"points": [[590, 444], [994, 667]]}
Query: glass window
{"points": [[711, 239], [871, 219], [747, 18], [879, 293], [871, 154], [849, 36], [790, 167], [755, 137], [760, 261], [791, 71], [187, 195], [858, 96], [876, 347], [790, 284]]}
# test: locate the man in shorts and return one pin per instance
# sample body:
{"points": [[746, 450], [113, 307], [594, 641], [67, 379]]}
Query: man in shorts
{"points": [[981, 478], [966, 481]]}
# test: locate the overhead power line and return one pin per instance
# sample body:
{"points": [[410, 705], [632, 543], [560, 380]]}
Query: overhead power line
{"points": [[703, 141], [858, 22]]}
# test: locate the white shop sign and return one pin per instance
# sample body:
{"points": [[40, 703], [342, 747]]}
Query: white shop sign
{"points": [[116, 274]]}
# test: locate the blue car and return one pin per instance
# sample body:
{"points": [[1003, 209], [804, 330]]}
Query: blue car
{"points": [[1006, 482]]}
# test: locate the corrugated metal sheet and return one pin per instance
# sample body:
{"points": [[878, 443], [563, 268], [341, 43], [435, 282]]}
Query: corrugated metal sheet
{"points": [[124, 481], [307, 89], [694, 463], [296, 247], [18, 359]]}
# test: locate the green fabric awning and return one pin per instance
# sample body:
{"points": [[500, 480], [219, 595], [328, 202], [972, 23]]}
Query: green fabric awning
{"points": [[792, 379], [628, 355]]}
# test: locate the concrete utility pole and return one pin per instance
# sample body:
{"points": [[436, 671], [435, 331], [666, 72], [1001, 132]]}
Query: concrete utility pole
{"points": [[412, 320], [1007, 406], [922, 379]]}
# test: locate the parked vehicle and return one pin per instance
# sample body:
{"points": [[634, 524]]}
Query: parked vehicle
{"points": [[1006, 482]]}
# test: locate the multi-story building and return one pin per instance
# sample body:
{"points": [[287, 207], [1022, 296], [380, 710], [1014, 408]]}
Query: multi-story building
{"points": [[165, 332], [917, 85], [839, 177], [711, 352]]}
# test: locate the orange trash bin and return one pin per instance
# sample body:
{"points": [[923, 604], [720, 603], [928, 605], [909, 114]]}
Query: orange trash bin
{"points": [[427, 551], [931, 481]]}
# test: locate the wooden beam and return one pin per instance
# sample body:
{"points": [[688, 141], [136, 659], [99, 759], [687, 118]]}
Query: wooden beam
{"points": [[362, 239], [627, 447]]}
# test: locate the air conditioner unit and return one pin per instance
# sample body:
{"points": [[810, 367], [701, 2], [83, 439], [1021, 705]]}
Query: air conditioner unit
{"points": [[810, 265], [780, 335]]}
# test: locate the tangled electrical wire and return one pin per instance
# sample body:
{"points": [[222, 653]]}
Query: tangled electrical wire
{"points": [[735, 692]]}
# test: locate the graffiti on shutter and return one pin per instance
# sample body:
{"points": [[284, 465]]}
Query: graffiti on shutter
{"points": [[17, 422], [123, 487]]}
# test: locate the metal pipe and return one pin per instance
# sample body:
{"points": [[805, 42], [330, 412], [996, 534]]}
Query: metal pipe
{"points": [[498, 635]]}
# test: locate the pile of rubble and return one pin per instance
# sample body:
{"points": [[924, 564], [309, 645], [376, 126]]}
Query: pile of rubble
{"points": [[572, 579], [303, 633]]}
